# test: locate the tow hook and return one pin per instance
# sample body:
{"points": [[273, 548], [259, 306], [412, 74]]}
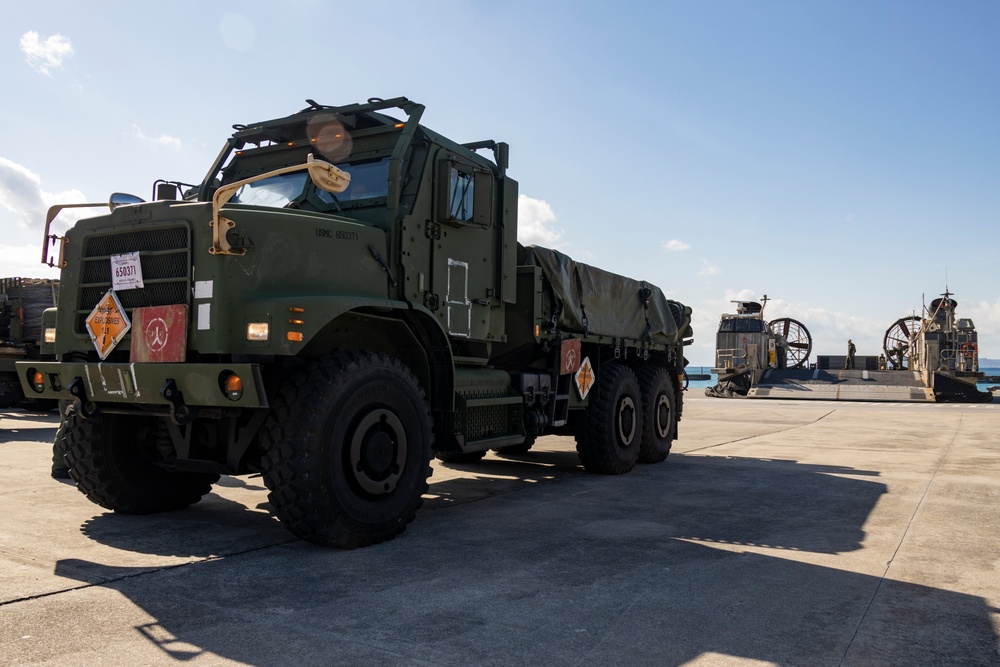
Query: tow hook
{"points": [[81, 404], [180, 414]]}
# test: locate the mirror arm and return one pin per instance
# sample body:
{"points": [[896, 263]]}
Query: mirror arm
{"points": [[52, 238], [323, 174]]}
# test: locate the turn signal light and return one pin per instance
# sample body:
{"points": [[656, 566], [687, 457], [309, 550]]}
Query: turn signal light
{"points": [[234, 387], [295, 336], [37, 380]]}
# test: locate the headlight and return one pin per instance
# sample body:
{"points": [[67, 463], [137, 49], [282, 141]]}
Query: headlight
{"points": [[50, 335], [257, 331]]}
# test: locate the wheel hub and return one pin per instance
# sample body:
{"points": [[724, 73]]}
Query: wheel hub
{"points": [[662, 417], [626, 422], [378, 452]]}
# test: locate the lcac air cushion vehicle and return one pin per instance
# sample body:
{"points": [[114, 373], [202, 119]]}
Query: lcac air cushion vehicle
{"points": [[341, 298], [934, 357]]}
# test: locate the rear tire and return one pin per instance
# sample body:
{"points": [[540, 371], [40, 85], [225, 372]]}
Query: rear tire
{"points": [[348, 449], [112, 458], [659, 425], [610, 431]]}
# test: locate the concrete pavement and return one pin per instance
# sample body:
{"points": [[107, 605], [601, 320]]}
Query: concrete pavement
{"points": [[777, 532]]}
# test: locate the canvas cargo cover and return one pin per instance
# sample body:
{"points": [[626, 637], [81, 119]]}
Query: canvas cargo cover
{"points": [[592, 301]]}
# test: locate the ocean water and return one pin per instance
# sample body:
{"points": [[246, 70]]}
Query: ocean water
{"points": [[707, 370]]}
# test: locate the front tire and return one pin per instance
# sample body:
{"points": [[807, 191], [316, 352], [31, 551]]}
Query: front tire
{"points": [[112, 458], [349, 442], [610, 431]]}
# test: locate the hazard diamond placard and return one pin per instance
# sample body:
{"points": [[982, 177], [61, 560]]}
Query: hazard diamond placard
{"points": [[107, 324]]}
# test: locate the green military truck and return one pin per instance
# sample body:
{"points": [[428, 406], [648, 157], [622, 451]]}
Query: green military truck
{"points": [[22, 334], [340, 299]]}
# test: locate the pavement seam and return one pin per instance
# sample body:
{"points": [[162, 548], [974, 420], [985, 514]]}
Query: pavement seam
{"points": [[751, 437], [142, 573], [902, 538]]}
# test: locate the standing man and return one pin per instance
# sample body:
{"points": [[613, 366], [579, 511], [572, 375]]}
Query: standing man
{"points": [[849, 362]]}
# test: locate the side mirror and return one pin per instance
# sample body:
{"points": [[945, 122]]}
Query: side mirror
{"points": [[122, 199]]}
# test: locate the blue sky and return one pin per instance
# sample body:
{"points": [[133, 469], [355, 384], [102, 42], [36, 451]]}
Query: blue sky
{"points": [[841, 157]]}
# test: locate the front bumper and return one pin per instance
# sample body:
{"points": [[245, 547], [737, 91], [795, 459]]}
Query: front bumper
{"points": [[146, 384]]}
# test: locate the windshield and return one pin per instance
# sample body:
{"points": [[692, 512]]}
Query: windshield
{"points": [[276, 192], [368, 179]]}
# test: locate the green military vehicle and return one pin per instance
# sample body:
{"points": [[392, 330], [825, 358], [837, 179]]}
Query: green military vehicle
{"points": [[22, 334], [340, 299]]}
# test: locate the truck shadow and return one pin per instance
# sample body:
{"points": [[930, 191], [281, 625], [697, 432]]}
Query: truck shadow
{"points": [[648, 568], [18, 424]]}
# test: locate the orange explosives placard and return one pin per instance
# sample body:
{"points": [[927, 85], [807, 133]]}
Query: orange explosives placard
{"points": [[107, 324], [584, 378]]}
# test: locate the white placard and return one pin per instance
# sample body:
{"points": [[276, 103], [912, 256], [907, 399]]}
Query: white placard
{"points": [[203, 289], [204, 316], [126, 271]]}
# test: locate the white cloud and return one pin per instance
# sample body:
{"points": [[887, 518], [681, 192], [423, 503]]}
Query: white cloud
{"points": [[709, 269], [675, 245], [21, 193], [986, 317], [534, 222], [160, 140], [45, 55], [25, 261]]}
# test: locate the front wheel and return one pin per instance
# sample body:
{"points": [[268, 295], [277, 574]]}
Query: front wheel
{"points": [[348, 449], [113, 460], [610, 432]]}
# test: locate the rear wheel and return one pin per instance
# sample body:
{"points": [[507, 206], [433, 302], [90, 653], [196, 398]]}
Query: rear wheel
{"points": [[610, 432], [113, 460], [659, 425], [349, 442]]}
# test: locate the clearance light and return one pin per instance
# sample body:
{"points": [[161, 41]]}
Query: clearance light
{"points": [[538, 330], [233, 387], [295, 336], [400, 125], [296, 321], [50, 334], [37, 380], [258, 331], [295, 309]]}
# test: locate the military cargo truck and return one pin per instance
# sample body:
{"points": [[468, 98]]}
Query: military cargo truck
{"points": [[22, 334], [341, 298]]}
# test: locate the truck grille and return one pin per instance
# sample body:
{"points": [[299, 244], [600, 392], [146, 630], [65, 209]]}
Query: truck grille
{"points": [[165, 258]]}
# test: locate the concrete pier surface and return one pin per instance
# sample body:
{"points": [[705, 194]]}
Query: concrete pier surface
{"points": [[776, 533]]}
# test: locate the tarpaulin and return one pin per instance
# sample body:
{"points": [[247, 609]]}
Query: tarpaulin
{"points": [[592, 301]]}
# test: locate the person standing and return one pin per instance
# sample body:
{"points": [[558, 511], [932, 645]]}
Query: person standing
{"points": [[849, 362]]}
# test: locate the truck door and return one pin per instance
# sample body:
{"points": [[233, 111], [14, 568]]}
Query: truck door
{"points": [[464, 257]]}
